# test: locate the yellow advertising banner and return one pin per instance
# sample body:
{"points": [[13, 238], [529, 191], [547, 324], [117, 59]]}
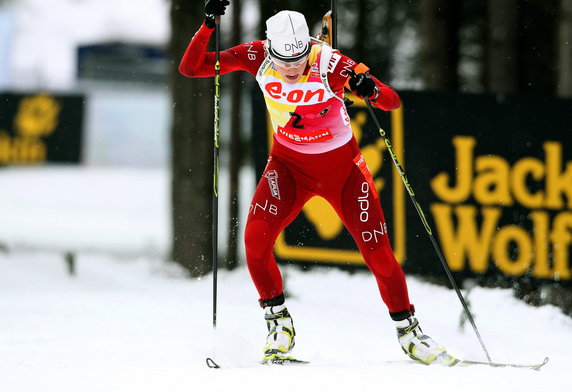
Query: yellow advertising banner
{"points": [[493, 177], [40, 127]]}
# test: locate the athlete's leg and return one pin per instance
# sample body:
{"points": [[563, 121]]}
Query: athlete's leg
{"points": [[276, 202], [360, 210]]}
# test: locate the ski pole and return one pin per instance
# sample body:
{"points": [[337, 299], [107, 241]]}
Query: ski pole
{"points": [[215, 169], [401, 172], [210, 362]]}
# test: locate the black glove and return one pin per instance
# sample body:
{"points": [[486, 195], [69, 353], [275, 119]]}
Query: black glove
{"points": [[364, 86], [214, 8]]}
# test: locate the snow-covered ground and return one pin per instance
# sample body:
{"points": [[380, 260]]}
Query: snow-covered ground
{"points": [[128, 321]]}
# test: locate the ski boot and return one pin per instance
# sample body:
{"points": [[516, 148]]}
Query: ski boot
{"points": [[281, 333], [421, 347]]}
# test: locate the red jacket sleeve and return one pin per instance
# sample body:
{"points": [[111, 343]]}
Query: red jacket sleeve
{"points": [[197, 62], [387, 99]]}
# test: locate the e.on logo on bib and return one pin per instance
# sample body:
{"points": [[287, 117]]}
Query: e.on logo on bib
{"points": [[304, 94]]}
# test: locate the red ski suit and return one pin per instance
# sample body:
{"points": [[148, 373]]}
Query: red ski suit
{"points": [[313, 154]]}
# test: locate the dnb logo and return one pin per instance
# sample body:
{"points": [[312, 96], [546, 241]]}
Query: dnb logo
{"points": [[295, 47]]}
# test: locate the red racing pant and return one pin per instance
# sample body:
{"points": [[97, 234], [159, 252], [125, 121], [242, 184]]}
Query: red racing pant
{"points": [[342, 178]]}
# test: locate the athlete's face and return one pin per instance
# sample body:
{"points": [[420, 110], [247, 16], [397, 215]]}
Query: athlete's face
{"points": [[291, 72]]}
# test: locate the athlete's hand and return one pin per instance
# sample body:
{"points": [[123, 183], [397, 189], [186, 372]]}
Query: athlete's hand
{"points": [[363, 86], [214, 8]]}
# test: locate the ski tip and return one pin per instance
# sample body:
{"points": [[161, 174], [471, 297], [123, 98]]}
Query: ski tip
{"points": [[537, 367], [212, 364]]}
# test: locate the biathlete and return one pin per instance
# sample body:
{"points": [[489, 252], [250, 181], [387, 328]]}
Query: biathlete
{"points": [[314, 153]]}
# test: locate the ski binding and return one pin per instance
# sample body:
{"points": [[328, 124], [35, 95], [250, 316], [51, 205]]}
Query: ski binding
{"points": [[283, 360]]}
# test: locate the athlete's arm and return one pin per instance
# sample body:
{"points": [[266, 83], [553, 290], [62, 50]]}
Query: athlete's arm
{"points": [[197, 62], [387, 98]]}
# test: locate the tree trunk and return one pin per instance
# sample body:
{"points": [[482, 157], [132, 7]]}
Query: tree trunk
{"points": [[192, 146], [439, 30], [565, 50], [538, 49], [502, 60], [362, 31]]}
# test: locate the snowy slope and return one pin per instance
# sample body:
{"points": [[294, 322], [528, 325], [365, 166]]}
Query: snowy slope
{"points": [[130, 322], [135, 324]]}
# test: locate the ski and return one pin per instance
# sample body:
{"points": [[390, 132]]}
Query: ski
{"points": [[281, 361], [290, 361], [466, 363], [537, 366]]}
